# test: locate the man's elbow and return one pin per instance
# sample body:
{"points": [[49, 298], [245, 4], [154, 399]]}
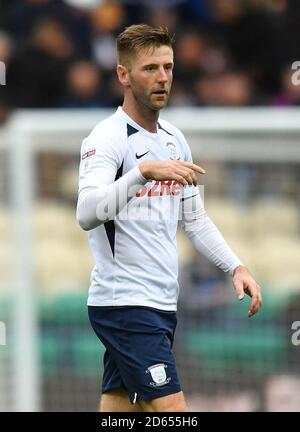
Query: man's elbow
{"points": [[88, 213], [85, 227], [83, 223], [88, 224]]}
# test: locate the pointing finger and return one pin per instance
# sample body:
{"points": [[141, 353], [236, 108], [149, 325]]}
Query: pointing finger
{"points": [[193, 166]]}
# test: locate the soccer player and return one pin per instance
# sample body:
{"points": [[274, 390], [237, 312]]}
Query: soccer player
{"points": [[137, 181]]}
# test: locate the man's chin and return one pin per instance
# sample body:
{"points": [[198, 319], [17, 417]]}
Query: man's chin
{"points": [[159, 104]]}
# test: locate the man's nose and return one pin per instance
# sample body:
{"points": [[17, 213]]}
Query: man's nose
{"points": [[162, 75]]}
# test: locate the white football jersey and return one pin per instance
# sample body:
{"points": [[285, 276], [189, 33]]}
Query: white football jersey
{"points": [[135, 254]]}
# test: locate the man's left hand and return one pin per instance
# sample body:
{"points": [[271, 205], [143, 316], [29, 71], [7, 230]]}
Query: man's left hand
{"points": [[244, 283]]}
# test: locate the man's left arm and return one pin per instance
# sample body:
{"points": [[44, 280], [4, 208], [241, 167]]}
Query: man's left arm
{"points": [[209, 241]]}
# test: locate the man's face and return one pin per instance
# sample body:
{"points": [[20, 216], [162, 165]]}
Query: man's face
{"points": [[150, 76]]}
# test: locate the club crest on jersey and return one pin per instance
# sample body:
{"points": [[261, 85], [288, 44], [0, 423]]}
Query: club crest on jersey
{"points": [[173, 152], [158, 374]]}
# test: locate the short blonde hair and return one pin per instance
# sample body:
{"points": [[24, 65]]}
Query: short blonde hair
{"points": [[140, 36]]}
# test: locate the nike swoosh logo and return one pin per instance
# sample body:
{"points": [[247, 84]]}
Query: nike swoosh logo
{"points": [[139, 156]]}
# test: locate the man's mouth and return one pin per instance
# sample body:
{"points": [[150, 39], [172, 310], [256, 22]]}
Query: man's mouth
{"points": [[160, 92]]}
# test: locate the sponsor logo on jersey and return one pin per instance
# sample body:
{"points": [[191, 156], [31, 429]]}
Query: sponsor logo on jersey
{"points": [[159, 188], [158, 375]]}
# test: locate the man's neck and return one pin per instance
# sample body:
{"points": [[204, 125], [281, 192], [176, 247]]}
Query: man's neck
{"points": [[142, 115]]}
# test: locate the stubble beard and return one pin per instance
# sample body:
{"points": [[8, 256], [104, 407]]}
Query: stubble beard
{"points": [[145, 100]]}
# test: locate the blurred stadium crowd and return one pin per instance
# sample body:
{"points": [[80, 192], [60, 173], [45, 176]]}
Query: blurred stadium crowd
{"points": [[61, 53]]}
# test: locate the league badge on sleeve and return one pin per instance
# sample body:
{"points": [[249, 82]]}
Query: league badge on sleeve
{"points": [[87, 158], [88, 153]]}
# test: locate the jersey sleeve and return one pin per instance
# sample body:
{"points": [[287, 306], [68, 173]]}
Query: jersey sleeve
{"points": [[199, 228], [100, 160], [206, 237], [102, 192]]}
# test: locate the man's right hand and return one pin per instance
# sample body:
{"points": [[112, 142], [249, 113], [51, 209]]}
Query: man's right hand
{"points": [[180, 171]]}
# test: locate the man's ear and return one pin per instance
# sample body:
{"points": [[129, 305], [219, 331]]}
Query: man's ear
{"points": [[123, 75]]}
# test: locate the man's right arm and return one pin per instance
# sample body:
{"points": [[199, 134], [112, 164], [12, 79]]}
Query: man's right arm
{"points": [[103, 190], [97, 205]]}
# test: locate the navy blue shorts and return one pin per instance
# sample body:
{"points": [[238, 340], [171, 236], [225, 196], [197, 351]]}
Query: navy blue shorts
{"points": [[138, 356]]}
